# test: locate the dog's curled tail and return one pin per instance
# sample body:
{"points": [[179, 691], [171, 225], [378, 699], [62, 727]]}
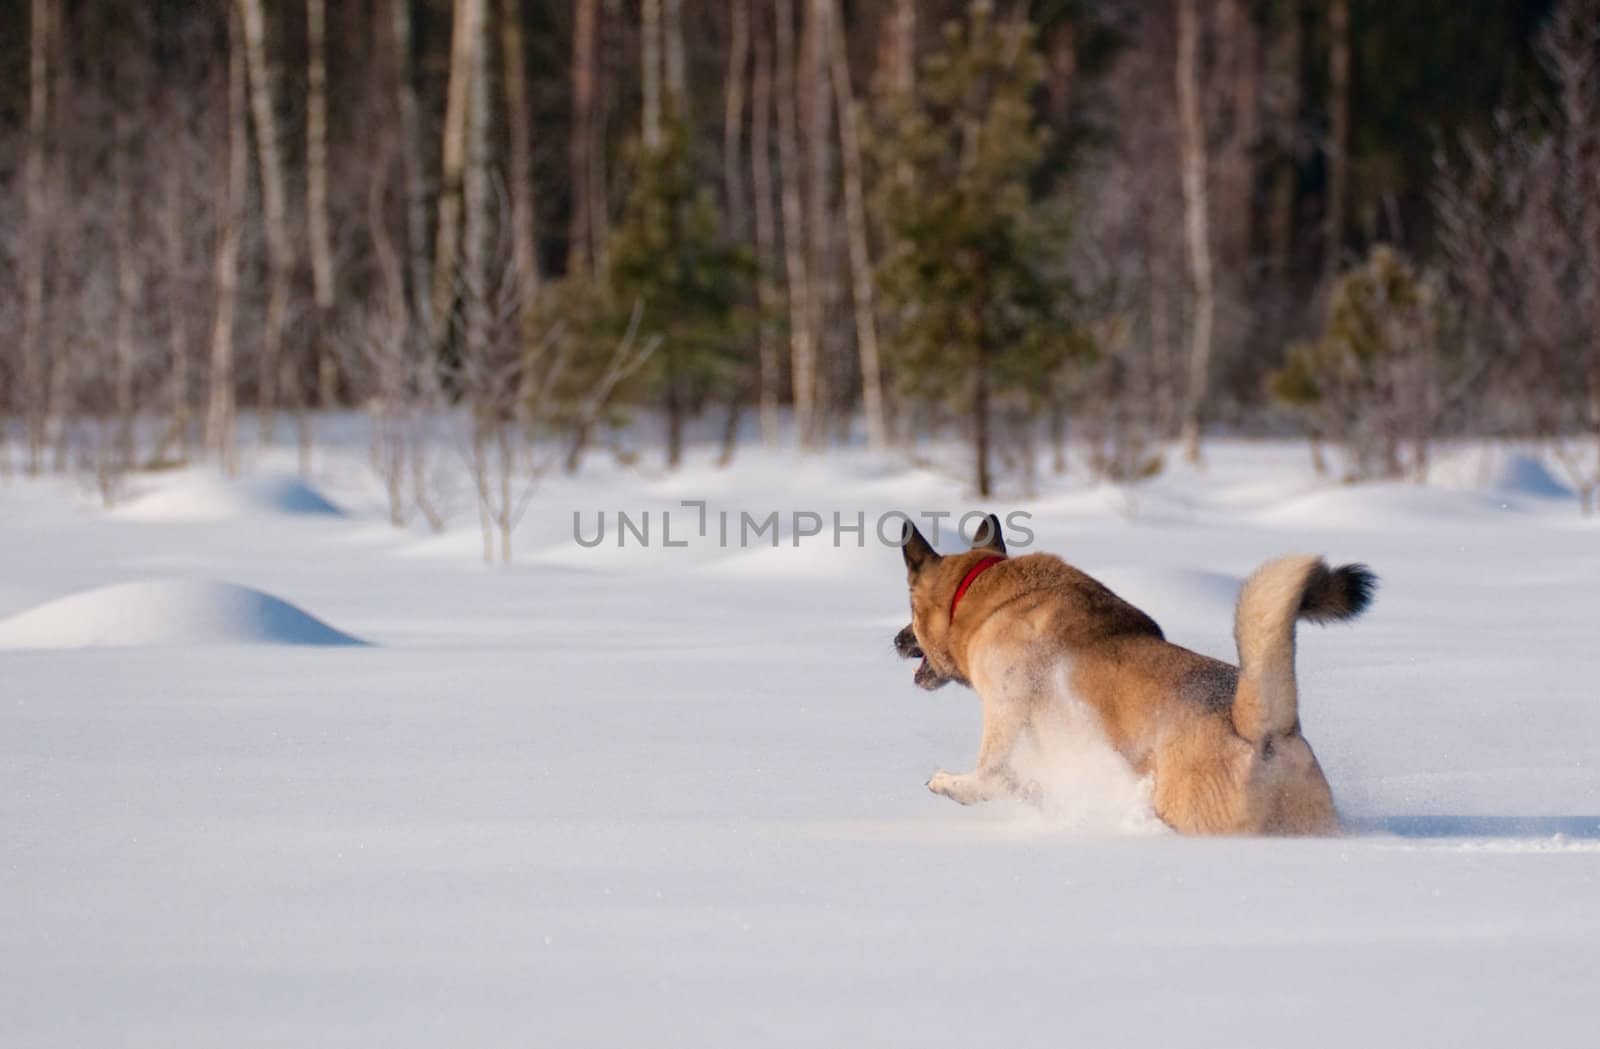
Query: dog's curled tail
{"points": [[1277, 595]]}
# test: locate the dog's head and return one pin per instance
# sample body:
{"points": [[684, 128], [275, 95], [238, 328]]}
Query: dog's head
{"points": [[933, 581]]}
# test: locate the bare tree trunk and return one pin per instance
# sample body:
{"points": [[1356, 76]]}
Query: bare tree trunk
{"points": [[220, 408], [465, 35], [127, 290], [416, 183], [802, 337], [1192, 160], [280, 254], [766, 224], [1282, 92], [1239, 101], [733, 116], [507, 508], [1338, 130], [177, 320], [905, 52], [650, 72], [816, 120], [59, 364], [475, 303], [902, 90], [611, 33], [519, 121], [676, 66], [36, 241], [855, 213], [980, 419], [581, 158], [317, 226], [475, 199], [675, 420]]}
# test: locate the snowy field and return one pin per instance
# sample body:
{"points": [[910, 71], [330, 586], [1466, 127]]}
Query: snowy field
{"points": [[674, 796]]}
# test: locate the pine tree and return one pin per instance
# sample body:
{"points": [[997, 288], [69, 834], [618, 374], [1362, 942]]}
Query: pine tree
{"points": [[973, 270], [668, 256], [1373, 381]]}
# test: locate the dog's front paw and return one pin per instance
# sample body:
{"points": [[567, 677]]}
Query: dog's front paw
{"points": [[953, 787]]}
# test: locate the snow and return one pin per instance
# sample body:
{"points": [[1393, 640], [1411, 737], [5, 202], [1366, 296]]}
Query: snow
{"points": [[208, 496], [166, 612], [673, 797]]}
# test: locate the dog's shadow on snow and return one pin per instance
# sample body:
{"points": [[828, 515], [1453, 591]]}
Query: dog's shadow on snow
{"points": [[1582, 828]]}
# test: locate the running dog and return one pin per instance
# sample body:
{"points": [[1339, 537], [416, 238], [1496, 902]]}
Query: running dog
{"points": [[1221, 744]]}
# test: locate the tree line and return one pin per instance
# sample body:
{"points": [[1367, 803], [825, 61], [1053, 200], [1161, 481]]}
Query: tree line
{"points": [[1096, 225]]}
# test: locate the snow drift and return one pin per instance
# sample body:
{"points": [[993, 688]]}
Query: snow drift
{"points": [[208, 497], [166, 612]]}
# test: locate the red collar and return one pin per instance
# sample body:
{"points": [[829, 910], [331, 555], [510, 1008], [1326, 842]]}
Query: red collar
{"points": [[972, 573]]}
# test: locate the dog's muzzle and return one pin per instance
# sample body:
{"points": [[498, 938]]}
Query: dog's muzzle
{"points": [[926, 677]]}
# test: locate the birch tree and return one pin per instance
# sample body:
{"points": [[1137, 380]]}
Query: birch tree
{"points": [[466, 35], [519, 130], [221, 430], [855, 213], [262, 76]]}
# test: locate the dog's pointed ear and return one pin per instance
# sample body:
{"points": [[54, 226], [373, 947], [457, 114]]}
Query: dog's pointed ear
{"points": [[988, 535], [917, 552]]}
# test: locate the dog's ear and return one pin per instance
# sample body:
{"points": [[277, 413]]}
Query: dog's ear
{"points": [[988, 535], [917, 552]]}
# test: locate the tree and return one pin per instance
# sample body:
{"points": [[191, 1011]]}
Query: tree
{"points": [[519, 121], [583, 148], [318, 225], [974, 264], [221, 402], [766, 226], [261, 74], [1192, 161], [1520, 231], [466, 54], [36, 246], [855, 223], [1378, 377], [814, 101], [1338, 144], [669, 255], [416, 190], [802, 335]]}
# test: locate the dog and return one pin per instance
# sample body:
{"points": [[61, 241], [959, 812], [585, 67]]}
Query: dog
{"points": [[1221, 744]]}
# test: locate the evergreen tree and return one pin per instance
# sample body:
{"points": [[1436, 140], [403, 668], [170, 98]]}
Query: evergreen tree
{"points": [[973, 271], [668, 255], [1374, 380]]}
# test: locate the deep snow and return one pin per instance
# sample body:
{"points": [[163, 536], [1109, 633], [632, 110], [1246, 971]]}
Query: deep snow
{"points": [[617, 797]]}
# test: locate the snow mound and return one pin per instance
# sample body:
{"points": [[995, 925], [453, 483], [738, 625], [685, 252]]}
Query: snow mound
{"points": [[1498, 470], [166, 612], [1384, 506], [209, 497], [1526, 475]]}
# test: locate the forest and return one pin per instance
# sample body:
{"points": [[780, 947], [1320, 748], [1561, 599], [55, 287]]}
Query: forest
{"points": [[1066, 234]]}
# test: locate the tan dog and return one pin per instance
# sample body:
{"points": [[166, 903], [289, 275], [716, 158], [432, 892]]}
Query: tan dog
{"points": [[1221, 744]]}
